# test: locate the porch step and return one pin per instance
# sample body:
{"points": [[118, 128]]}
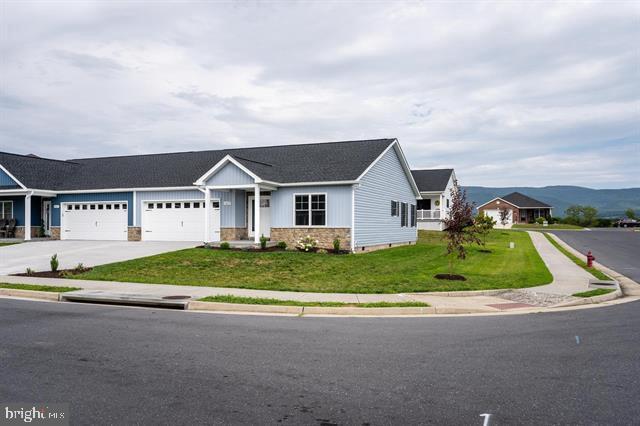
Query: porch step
{"points": [[106, 297]]}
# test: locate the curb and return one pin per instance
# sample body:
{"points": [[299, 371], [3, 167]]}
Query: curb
{"points": [[320, 310], [30, 294], [589, 300]]}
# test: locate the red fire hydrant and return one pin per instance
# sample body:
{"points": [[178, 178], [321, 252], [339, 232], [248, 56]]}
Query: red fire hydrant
{"points": [[590, 259]]}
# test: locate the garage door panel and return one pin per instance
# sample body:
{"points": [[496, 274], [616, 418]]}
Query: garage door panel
{"points": [[177, 221], [94, 221]]}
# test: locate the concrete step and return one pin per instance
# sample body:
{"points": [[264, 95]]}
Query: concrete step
{"points": [[107, 297]]}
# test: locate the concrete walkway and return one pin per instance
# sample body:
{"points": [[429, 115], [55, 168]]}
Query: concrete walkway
{"points": [[568, 278]]}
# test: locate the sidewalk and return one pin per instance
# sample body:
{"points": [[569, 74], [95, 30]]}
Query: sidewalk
{"points": [[568, 278]]}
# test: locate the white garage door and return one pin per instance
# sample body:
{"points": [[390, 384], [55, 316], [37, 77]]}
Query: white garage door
{"points": [[94, 221], [495, 215], [178, 221]]}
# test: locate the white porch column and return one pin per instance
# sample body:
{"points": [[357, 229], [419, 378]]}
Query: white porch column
{"points": [[442, 206], [207, 215], [27, 216], [256, 214]]}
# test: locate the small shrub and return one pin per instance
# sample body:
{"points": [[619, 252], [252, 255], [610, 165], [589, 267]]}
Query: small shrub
{"points": [[29, 271], [54, 263], [263, 242], [79, 268], [282, 245], [336, 244], [225, 245], [207, 245], [540, 220], [307, 244]]}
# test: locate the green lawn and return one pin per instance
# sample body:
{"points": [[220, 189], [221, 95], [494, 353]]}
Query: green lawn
{"points": [[581, 263], [395, 270], [555, 226], [227, 298], [596, 292], [34, 287]]}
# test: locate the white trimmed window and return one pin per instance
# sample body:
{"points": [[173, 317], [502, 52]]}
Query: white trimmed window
{"points": [[394, 208], [310, 209], [6, 209]]}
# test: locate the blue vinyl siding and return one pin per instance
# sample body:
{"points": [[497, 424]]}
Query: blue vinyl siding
{"points": [[228, 206], [6, 181], [240, 208], [338, 205], [97, 197], [18, 209], [384, 182], [230, 174]]}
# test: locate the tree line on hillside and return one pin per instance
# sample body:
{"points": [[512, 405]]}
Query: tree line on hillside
{"points": [[588, 216]]}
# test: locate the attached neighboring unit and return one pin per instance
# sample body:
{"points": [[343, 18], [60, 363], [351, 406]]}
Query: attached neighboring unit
{"points": [[517, 208], [335, 190], [435, 196]]}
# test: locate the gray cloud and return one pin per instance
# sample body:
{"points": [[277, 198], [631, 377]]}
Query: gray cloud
{"points": [[544, 93]]}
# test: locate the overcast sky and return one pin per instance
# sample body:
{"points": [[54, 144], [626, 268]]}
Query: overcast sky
{"points": [[508, 93]]}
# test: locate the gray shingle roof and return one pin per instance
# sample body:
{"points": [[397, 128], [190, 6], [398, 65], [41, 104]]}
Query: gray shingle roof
{"points": [[521, 200], [432, 180], [318, 162]]}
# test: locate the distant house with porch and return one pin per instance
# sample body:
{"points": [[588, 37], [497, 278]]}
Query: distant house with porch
{"points": [[435, 191], [361, 192], [520, 209]]}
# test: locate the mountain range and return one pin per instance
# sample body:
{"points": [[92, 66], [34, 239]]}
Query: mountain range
{"points": [[609, 202]]}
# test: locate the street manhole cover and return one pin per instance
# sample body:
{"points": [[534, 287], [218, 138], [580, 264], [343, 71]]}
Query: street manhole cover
{"points": [[176, 297]]}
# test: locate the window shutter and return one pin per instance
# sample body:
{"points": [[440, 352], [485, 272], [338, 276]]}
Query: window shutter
{"points": [[413, 215]]}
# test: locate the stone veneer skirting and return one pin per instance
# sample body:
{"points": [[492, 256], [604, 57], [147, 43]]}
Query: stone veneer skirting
{"points": [[233, 234], [55, 232], [35, 230], [325, 236], [134, 233]]}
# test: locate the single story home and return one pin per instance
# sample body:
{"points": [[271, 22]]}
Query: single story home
{"points": [[361, 192], [520, 209], [435, 191]]}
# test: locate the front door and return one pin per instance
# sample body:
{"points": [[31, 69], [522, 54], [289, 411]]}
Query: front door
{"points": [[46, 217], [265, 216]]}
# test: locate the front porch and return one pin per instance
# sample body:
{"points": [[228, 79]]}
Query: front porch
{"points": [[26, 214]]}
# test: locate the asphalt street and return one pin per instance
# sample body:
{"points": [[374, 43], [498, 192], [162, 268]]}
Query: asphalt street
{"points": [[118, 365], [619, 249]]}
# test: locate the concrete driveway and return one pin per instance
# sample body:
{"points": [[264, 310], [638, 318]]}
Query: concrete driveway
{"points": [[36, 255]]}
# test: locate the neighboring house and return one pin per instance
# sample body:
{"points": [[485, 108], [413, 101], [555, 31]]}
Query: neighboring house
{"points": [[520, 209], [435, 190], [325, 190]]}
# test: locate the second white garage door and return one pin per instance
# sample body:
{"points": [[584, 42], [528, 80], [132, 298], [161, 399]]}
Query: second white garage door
{"points": [[178, 221], [495, 215], [94, 221]]}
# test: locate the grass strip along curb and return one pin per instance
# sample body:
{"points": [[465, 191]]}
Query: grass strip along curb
{"points": [[581, 263], [34, 287], [595, 292], [278, 302]]}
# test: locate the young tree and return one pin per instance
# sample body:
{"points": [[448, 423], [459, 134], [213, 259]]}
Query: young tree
{"points": [[589, 215], [485, 224], [503, 215], [459, 229], [631, 214], [573, 214]]}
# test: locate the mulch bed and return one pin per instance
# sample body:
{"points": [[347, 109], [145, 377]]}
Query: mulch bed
{"points": [[450, 277], [250, 249], [49, 274]]}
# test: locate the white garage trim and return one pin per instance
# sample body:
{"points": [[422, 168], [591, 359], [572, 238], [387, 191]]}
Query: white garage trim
{"points": [[173, 221], [107, 220]]}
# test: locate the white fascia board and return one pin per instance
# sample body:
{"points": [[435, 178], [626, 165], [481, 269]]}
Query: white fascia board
{"points": [[12, 177], [333, 182], [227, 159], [495, 199]]}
